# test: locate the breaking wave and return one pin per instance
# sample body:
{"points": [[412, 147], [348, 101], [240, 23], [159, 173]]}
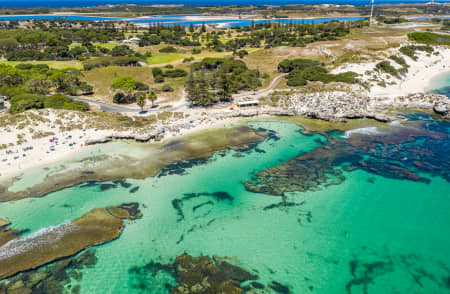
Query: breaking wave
{"points": [[35, 240]]}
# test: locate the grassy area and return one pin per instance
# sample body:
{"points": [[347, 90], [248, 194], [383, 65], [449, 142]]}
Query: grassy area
{"points": [[53, 64], [101, 79], [106, 45], [430, 38], [162, 58]]}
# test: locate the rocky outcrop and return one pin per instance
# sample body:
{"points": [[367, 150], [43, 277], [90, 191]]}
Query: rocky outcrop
{"points": [[125, 211], [342, 105], [124, 136], [53, 243], [442, 107], [59, 277]]}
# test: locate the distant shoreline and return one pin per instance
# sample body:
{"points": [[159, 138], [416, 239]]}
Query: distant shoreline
{"points": [[53, 4]]}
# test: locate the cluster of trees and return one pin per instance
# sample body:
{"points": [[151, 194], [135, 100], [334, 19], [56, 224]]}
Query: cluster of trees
{"points": [[40, 79], [130, 91], [159, 74], [303, 70], [294, 33], [28, 86], [391, 20], [289, 34], [51, 44], [216, 79], [445, 25], [174, 35], [411, 50]]}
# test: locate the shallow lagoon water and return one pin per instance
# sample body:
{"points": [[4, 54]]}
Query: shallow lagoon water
{"points": [[369, 234], [178, 19]]}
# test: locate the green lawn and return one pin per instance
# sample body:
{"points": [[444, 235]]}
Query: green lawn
{"points": [[160, 58], [106, 45]]}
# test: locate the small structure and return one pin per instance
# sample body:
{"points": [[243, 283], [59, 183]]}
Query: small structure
{"points": [[132, 41], [248, 103]]}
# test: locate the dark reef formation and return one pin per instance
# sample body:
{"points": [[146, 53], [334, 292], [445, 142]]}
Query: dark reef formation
{"points": [[203, 275], [177, 203], [368, 267], [403, 152], [60, 277]]}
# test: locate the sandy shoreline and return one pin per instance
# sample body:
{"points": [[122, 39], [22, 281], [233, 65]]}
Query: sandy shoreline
{"points": [[18, 159], [417, 80]]}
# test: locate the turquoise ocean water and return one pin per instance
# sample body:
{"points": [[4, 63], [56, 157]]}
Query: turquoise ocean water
{"points": [[368, 234]]}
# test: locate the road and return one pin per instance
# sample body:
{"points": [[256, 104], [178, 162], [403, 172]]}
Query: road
{"points": [[116, 108], [262, 92]]}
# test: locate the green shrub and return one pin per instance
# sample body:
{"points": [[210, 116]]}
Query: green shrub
{"points": [[159, 79], [399, 60], [156, 71], [295, 79], [168, 49], [119, 97], [26, 101], [410, 50], [303, 70], [63, 102], [386, 67], [289, 65], [175, 73], [122, 50], [167, 88]]}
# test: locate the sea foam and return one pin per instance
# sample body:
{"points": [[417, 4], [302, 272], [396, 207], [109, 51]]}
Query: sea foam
{"points": [[35, 240]]}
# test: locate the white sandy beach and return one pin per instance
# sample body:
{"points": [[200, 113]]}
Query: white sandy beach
{"points": [[417, 80], [38, 152]]}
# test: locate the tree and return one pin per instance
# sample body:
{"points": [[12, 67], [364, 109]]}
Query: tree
{"points": [[152, 97], [141, 101], [129, 86]]}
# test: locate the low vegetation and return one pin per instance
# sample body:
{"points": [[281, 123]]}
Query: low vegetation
{"points": [[108, 61], [303, 70], [26, 101], [429, 38], [386, 67], [411, 50]]}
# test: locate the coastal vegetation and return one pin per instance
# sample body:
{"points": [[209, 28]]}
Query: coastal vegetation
{"points": [[215, 79], [411, 50], [303, 70], [25, 101], [28, 87], [429, 38], [128, 90]]}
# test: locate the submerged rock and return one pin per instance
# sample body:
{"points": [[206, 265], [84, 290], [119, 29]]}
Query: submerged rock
{"points": [[202, 275], [4, 223], [394, 153], [125, 211]]}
